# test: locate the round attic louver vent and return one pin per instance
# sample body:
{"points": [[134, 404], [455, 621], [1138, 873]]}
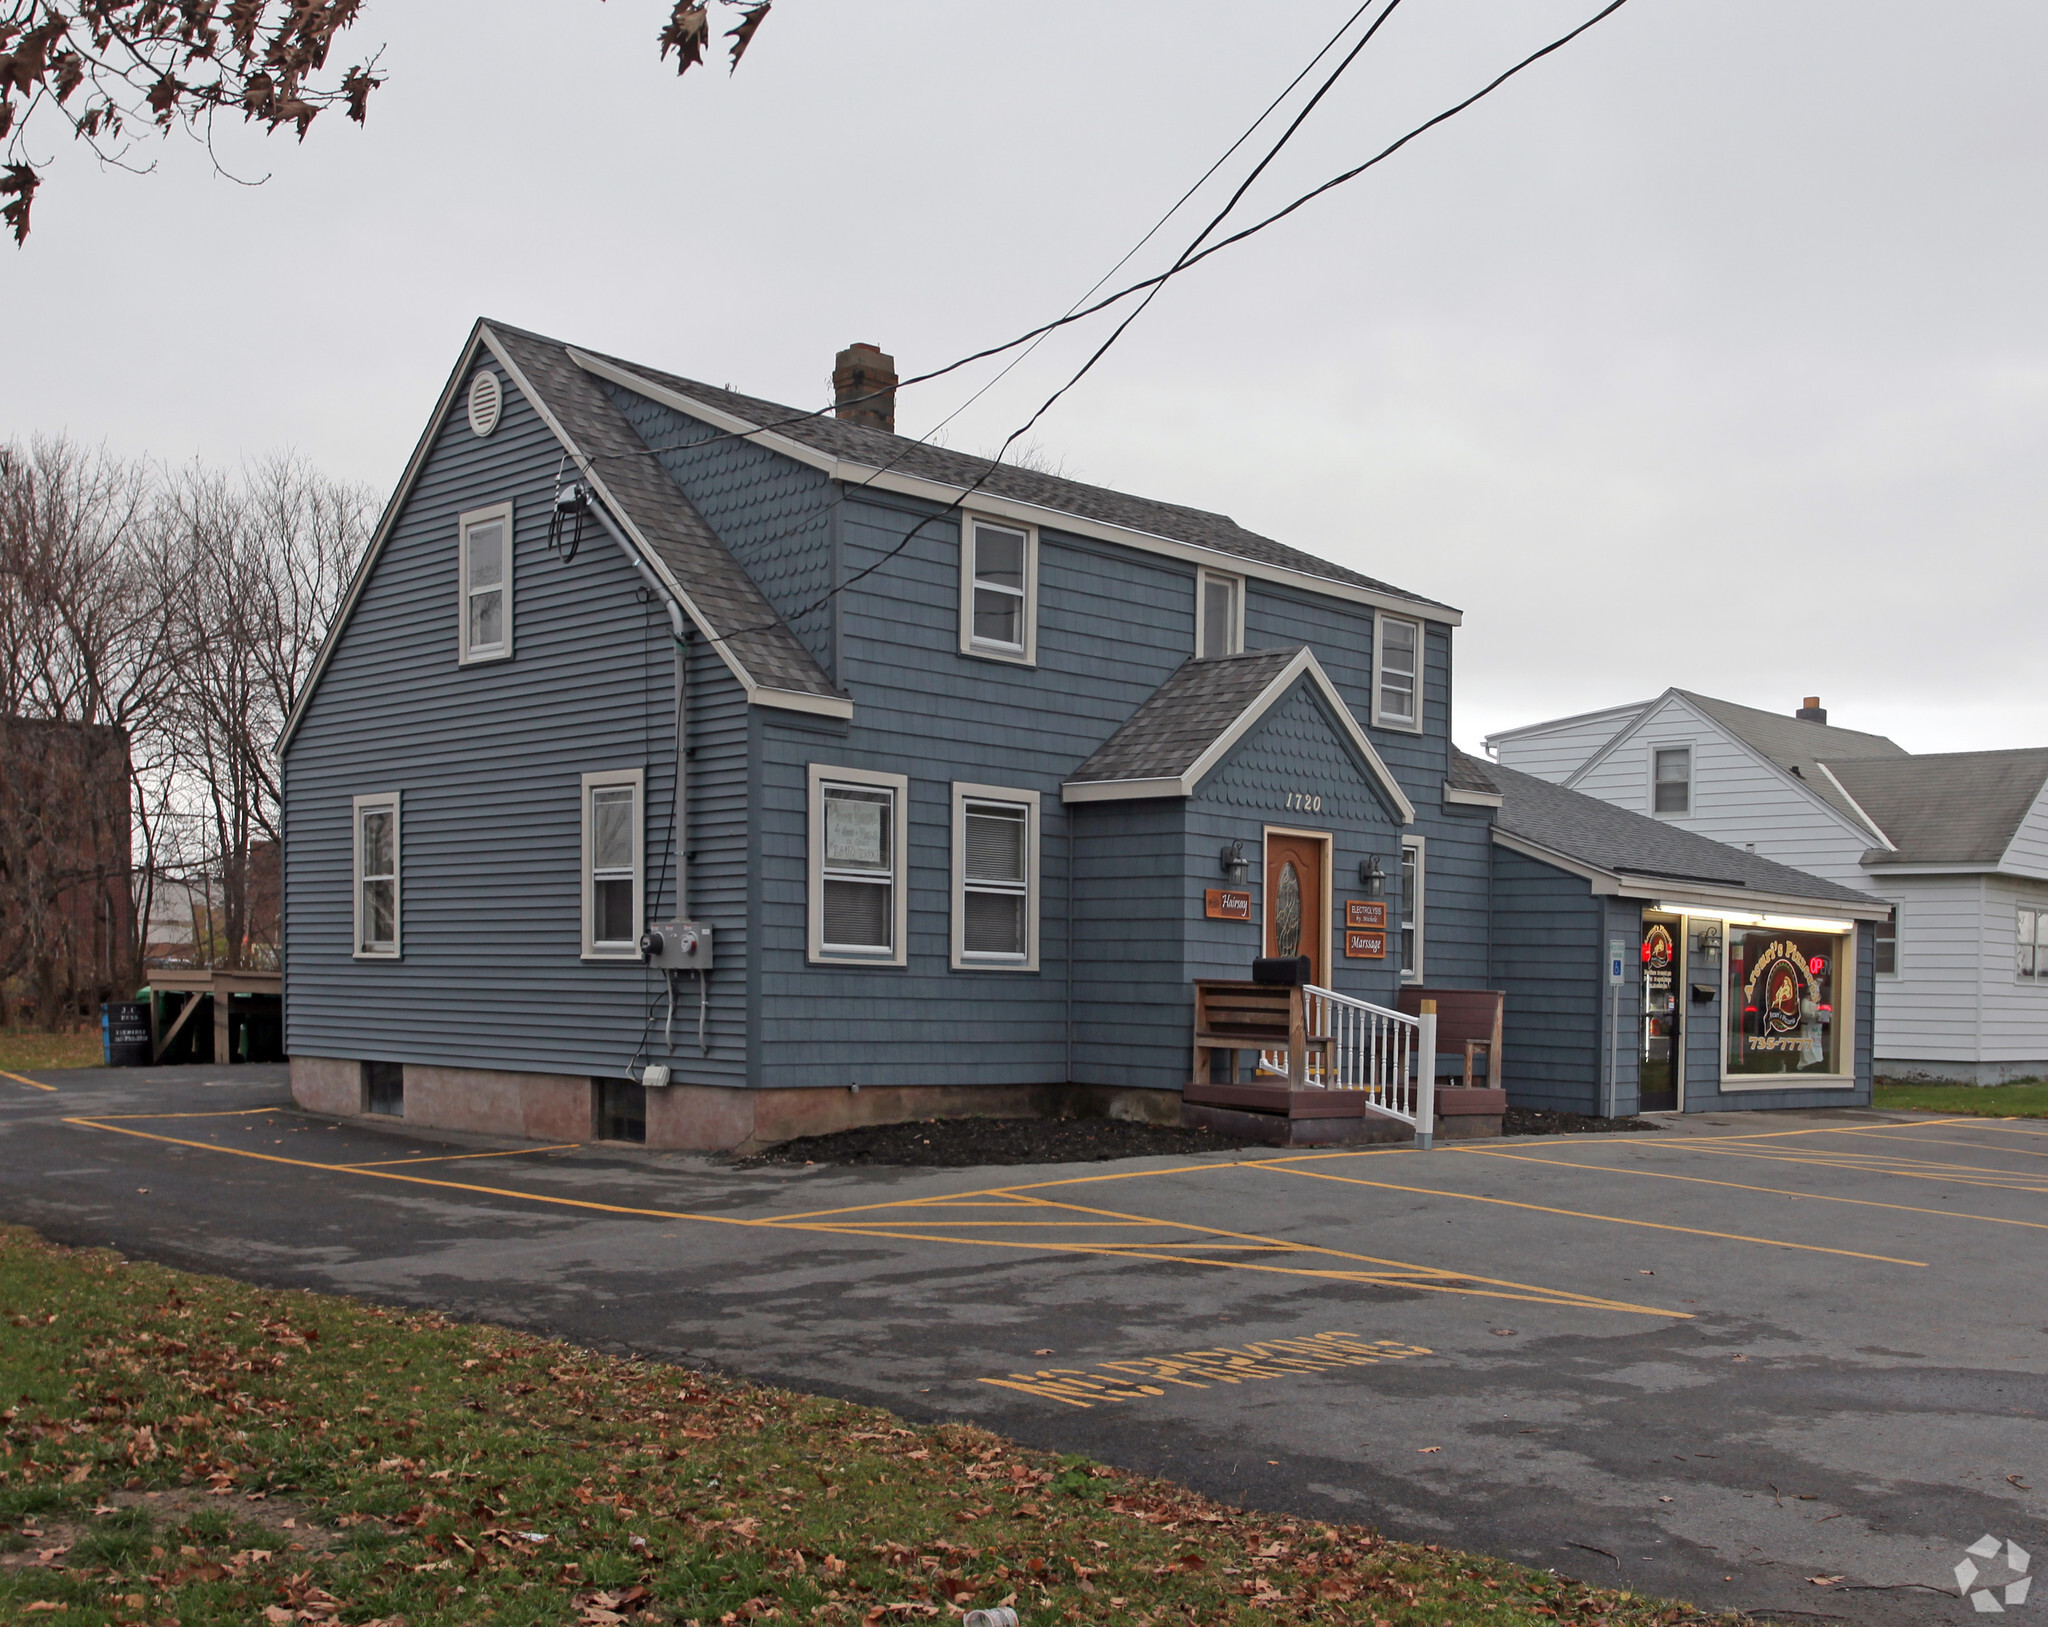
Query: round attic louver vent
{"points": [[486, 400]]}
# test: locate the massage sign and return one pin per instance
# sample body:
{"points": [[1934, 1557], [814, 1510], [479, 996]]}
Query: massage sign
{"points": [[1660, 961]]}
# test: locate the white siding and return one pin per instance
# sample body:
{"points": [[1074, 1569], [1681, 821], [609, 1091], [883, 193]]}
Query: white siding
{"points": [[1930, 1012], [1556, 751], [2027, 853], [1737, 797], [2015, 1012]]}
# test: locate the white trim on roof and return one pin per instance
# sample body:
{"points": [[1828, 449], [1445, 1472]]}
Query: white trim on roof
{"points": [[1459, 796], [1690, 894], [1862, 813], [1549, 724], [758, 694], [1183, 785], [1008, 508]]}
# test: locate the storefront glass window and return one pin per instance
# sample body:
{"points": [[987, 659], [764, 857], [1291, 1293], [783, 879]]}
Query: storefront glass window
{"points": [[1782, 1006]]}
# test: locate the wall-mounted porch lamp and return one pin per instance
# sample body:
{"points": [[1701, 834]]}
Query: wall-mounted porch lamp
{"points": [[1371, 877], [1236, 866]]}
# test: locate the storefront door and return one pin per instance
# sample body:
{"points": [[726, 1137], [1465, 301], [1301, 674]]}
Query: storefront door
{"points": [[1294, 901], [1662, 1049]]}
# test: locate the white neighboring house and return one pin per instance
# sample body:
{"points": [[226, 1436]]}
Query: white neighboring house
{"points": [[1956, 842]]}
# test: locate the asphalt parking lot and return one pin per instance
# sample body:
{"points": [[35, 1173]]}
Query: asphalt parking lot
{"points": [[1717, 1361]]}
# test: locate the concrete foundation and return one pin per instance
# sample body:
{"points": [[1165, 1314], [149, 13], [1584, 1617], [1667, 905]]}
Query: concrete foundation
{"points": [[1902, 1072], [701, 1118]]}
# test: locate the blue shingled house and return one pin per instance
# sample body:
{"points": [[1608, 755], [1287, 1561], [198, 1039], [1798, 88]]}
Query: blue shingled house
{"points": [[691, 768]]}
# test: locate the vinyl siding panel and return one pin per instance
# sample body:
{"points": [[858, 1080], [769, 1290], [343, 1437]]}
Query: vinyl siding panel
{"points": [[2015, 1011], [1548, 944], [1932, 1011], [2027, 853], [1557, 752], [1738, 798], [488, 760]]}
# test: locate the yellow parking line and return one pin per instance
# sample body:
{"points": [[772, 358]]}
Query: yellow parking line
{"points": [[1395, 1272], [1580, 1214], [452, 1157], [1743, 1186], [1978, 1146], [224, 1113], [1832, 1130], [1955, 1175], [33, 1084]]}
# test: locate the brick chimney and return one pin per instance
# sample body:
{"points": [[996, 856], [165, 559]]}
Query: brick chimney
{"points": [[864, 387], [1812, 711]]}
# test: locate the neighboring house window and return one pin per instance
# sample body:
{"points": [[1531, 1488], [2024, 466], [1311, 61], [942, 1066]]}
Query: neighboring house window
{"points": [[858, 822], [613, 852], [1397, 669], [995, 878], [1671, 776], [2033, 944], [1884, 944], [1412, 884], [485, 565], [376, 876], [1219, 612], [999, 590]]}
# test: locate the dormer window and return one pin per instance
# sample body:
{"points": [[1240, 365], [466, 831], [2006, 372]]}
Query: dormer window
{"points": [[484, 565], [1397, 673], [1219, 614], [999, 590]]}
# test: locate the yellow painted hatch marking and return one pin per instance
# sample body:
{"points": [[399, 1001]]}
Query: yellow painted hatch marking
{"points": [[33, 1084]]}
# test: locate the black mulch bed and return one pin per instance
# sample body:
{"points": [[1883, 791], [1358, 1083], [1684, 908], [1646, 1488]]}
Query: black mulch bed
{"points": [[963, 1143], [1531, 1121]]}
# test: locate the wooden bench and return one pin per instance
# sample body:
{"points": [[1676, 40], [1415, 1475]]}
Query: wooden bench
{"points": [[1237, 1017]]}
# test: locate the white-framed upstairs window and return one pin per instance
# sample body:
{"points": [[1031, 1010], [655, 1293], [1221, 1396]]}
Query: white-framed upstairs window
{"points": [[858, 825], [999, 590], [1671, 781], [995, 878], [1414, 888], [1219, 614], [1396, 672], [614, 862], [484, 568], [374, 865]]}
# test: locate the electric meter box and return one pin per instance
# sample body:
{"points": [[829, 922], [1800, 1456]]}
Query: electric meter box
{"points": [[677, 946]]}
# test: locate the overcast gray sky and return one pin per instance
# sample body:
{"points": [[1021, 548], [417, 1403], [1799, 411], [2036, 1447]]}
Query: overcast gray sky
{"points": [[1709, 352]]}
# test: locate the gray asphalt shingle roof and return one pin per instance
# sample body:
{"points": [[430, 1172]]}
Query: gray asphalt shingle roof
{"points": [[721, 588], [1605, 837], [876, 448], [1469, 773], [1184, 717], [1953, 807], [1797, 745]]}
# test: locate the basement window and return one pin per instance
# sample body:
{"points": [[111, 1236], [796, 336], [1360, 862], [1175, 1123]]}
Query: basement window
{"points": [[620, 1110], [384, 1089]]}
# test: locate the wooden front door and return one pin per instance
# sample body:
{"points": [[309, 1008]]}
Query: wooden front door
{"points": [[1294, 902]]}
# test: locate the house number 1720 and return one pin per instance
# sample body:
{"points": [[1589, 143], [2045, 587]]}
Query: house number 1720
{"points": [[1305, 801]]}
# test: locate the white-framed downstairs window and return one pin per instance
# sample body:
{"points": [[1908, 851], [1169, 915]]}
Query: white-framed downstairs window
{"points": [[1884, 944], [995, 878], [2031, 963], [614, 863], [859, 821], [1219, 614], [1396, 672], [999, 590], [1414, 883], [1671, 780], [484, 566], [375, 868]]}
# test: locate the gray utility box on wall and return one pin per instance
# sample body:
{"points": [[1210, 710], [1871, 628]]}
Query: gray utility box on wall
{"points": [[677, 946]]}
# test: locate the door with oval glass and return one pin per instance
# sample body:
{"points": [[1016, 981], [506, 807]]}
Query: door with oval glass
{"points": [[1294, 900], [1663, 1052]]}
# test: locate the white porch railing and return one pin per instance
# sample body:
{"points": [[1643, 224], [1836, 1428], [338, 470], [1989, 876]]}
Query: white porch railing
{"points": [[1356, 1045]]}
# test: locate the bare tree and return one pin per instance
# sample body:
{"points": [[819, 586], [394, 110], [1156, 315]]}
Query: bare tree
{"points": [[106, 68]]}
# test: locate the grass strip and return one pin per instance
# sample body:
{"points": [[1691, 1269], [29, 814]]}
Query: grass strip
{"points": [[181, 1449], [26, 1051], [2024, 1099]]}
